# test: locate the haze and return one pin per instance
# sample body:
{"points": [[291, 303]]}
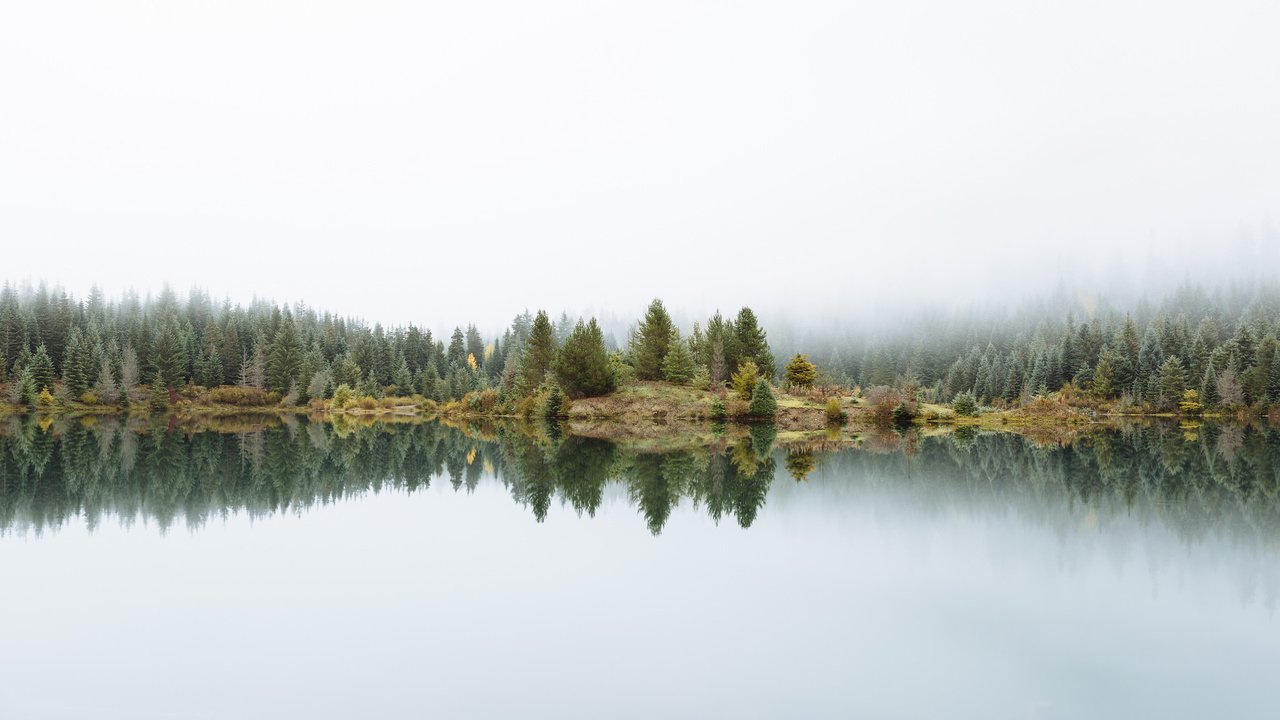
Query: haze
{"points": [[440, 163]]}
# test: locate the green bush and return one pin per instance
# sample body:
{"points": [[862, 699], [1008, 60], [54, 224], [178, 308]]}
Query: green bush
{"points": [[718, 410]]}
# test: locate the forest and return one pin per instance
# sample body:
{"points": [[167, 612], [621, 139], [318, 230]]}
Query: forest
{"points": [[1193, 351]]}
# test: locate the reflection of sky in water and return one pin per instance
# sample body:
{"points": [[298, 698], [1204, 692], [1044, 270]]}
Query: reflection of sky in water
{"points": [[865, 591]]}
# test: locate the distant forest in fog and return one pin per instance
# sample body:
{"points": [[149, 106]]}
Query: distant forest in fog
{"points": [[1222, 343]]}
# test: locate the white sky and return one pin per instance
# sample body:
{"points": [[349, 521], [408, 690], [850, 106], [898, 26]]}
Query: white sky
{"points": [[439, 162]]}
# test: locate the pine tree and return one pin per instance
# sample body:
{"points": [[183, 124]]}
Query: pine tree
{"points": [[716, 371], [678, 366], [539, 352], [1273, 386], [652, 341], [581, 366]]}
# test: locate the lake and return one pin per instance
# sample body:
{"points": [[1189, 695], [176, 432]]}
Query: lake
{"points": [[316, 571]]}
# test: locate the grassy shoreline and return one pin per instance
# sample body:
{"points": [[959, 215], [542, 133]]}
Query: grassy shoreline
{"points": [[644, 413]]}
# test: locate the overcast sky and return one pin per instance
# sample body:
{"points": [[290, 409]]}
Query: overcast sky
{"points": [[438, 162]]}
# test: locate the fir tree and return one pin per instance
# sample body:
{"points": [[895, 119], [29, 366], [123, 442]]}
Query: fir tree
{"points": [[752, 343], [744, 380], [652, 341], [286, 357], [582, 366], [42, 369], [678, 366], [1209, 387], [539, 352], [1172, 381], [763, 404]]}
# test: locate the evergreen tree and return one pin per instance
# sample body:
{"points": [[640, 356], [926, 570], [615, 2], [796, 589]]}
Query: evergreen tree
{"points": [[800, 372], [751, 342], [762, 402], [1172, 381], [475, 345], [678, 365], [457, 356], [1273, 386], [41, 366], [716, 372], [1209, 387], [652, 341], [285, 362], [581, 366], [169, 355], [539, 352], [25, 389], [1102, 376]]}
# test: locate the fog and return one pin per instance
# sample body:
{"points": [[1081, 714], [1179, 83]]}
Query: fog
{"points": [[439, 163]]}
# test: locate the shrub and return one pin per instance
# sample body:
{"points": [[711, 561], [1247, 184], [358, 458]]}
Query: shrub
{"points": [[44, 397], [762, 403], [882, 400], [964, 404], [718, 409], [88, 397], [835, 413], [242, 396], [342, 395], [365, 402]]}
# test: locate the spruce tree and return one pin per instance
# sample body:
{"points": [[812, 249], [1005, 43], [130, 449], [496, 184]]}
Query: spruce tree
{"points": [[752, 343], [678, 366], [285, 361], [1172, 382], [763, 404], [42, 369], [1209, 387], [652, 341], [1102, 376], [581, 366], [25, 389], [539, 352], [457, 355]]}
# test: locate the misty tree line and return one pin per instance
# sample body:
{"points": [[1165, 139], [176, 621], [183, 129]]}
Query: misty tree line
{"points": [[1221, 345], [102, 351]]}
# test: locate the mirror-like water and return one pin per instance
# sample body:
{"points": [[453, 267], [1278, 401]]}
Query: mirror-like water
{"points": [[409, 571]]}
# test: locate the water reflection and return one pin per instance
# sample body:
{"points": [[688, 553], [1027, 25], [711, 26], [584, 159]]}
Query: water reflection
{"points": [[1220, 481]]}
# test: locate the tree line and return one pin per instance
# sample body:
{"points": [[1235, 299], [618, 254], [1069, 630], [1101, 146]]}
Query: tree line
{"points": [[1221, 347], [100, 350]]}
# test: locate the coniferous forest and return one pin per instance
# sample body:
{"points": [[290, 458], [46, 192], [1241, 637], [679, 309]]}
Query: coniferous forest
{"points": [[1195, 350]]}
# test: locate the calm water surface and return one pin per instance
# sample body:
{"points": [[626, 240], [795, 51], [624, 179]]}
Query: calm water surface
{"points": [[299, 571]]}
